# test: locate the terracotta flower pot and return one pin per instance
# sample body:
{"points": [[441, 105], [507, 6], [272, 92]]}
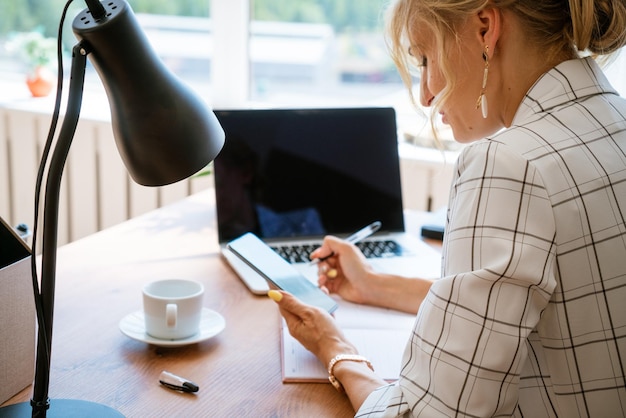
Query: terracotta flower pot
{"points": [[41, 82]]}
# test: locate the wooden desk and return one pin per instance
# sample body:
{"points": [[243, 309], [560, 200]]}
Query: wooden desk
{"points": [[99, 281]]}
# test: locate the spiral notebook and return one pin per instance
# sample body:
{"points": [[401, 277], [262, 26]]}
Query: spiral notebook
{"points": [[379, 334]]}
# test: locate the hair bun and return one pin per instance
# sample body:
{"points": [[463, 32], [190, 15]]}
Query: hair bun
{"points": [[599, 26]]}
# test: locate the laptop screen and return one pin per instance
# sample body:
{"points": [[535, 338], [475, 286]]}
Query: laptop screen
{"points": [[307, 172]]}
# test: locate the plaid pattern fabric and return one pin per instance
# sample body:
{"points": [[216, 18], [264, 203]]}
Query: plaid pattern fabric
{"points": [[529, 318]]}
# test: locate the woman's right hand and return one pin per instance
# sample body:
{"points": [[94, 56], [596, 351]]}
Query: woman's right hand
{"points": [[346, 273]]}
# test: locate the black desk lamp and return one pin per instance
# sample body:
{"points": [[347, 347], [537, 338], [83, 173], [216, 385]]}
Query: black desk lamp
{"points": [[163, 132]]}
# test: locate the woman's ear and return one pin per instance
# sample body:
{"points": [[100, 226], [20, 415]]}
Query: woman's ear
{"points": [[490, 27]]}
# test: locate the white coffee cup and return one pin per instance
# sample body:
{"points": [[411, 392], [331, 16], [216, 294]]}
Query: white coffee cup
{"points": [[172, 308]]}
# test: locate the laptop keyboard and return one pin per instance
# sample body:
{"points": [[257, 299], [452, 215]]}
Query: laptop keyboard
{"points": [[371, 249]]}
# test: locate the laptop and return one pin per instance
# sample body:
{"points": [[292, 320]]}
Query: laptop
{"points": [[292, 176]]}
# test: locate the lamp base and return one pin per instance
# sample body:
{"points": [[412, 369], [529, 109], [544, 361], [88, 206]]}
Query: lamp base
{"points": [[62, 408]]}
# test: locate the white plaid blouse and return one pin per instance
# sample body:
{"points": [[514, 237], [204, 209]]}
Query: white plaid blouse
{"points": [[529, 318]]}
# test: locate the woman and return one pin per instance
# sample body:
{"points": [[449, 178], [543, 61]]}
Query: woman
{"points": [[529, 317]]}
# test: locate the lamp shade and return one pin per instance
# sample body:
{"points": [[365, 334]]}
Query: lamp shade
{"points": [[163, 130]]}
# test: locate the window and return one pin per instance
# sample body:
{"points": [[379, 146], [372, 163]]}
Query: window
{"points": [[174, 20], [615, 72], [274, 52], [239, 53], [319, 52]]}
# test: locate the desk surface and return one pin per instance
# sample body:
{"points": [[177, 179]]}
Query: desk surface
{"points": [[99, 281]]}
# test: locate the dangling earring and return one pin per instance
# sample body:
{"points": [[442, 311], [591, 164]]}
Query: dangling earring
{"points": [[482, 99]]}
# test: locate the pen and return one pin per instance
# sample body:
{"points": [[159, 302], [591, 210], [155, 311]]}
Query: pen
{"points": [[359, 235]]}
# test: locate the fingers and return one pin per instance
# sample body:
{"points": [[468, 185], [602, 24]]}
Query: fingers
{"points": [[287, 304], [326, 278], [320, 252], [328, 248], [295, 312], [325, 269], [286, 301], [275, 295]]}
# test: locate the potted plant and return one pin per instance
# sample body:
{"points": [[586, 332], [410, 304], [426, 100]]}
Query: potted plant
{"points": [[39, 54]]}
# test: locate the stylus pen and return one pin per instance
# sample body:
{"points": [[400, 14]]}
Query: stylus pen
{"points": [[359, 235]]}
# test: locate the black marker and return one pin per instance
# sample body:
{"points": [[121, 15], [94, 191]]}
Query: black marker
{"points": [[171, 381]]}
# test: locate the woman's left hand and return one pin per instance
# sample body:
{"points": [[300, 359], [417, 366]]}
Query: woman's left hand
{"points": [[313, 327]]}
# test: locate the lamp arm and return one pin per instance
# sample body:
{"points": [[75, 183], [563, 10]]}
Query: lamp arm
{"points": [[40, 402]]}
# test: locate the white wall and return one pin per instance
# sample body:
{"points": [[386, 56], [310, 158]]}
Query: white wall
{"points": [[96, 192]]}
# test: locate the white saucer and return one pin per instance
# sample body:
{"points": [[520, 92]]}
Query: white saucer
{"points": [[211, 324]]}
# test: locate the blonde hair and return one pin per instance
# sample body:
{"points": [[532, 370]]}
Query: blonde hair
{"points": [[596, 27]]}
